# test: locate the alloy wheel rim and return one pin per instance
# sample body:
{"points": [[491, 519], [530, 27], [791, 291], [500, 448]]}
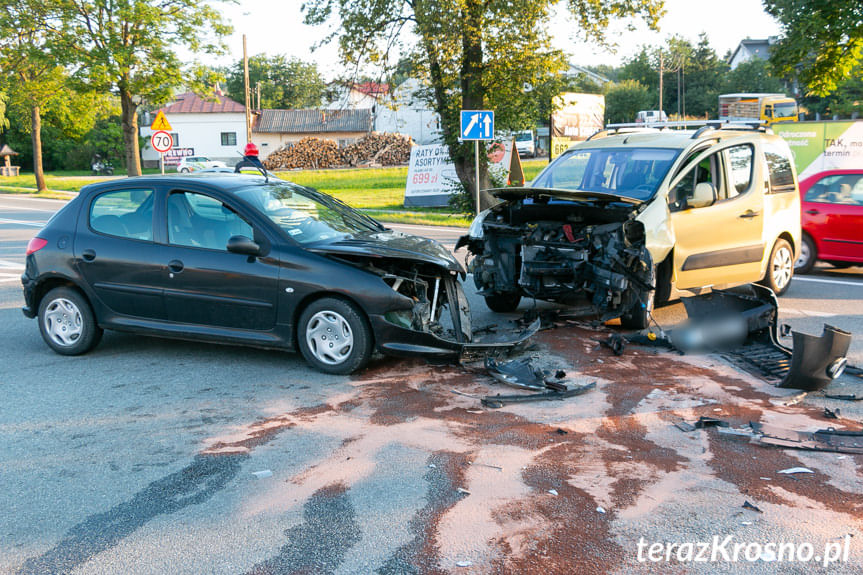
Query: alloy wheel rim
{"points": [[782, 267], [329, 337], [63, 322]]}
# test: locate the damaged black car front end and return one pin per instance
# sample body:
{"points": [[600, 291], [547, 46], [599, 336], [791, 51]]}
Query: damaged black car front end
{"points": [[562, 246]]}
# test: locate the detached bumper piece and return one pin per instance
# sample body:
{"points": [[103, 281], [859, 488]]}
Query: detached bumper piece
{"points": [[524, 375], [743, 324], [822, 440]]}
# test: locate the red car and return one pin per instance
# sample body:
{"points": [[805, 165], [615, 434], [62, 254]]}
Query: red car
{"points": [[832, 219]]}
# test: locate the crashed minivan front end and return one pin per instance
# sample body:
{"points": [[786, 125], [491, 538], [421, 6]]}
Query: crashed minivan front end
{"points": [[558, 246]]}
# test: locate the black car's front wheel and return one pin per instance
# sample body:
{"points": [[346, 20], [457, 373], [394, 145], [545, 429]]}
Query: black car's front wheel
{"points": [[67, 323], [334, 336]]}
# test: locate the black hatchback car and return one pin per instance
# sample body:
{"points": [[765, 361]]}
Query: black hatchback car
{"points": [[241, 259]]}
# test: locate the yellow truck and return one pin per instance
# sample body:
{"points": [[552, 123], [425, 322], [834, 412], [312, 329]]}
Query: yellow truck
{"points": [[764, 108]]}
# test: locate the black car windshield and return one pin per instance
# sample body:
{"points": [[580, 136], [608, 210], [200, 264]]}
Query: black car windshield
{"points": [[307, 215], [631, 172]]}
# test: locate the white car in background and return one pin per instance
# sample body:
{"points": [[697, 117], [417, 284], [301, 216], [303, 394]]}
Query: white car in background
{"points": [[525, 143], [190, 164]]}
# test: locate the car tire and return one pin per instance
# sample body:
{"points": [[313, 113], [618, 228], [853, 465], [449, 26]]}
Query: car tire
{"points": [[334, 336], [780, 267], [808, 256], [184, 171], [503, 302], [638, 316], [67, 323]]}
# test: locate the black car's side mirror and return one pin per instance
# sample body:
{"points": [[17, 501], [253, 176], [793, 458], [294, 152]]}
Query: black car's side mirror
{"points": [[243, 245]]}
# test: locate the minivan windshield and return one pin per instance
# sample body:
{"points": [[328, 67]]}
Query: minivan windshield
{"points": [[307, 215], [630, 172]]}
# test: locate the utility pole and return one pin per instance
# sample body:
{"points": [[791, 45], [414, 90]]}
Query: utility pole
{"points": [[246, 83], [258, 91], [661, 62]]}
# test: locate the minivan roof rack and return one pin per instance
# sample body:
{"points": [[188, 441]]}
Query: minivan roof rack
{"points": [[705, 126]]}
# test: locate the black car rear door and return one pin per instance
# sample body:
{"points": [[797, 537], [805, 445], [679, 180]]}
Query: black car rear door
{"points": [[204, 284], [116, 253]]}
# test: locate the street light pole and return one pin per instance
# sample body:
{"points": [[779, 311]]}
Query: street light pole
{"points": [[246, 83]]}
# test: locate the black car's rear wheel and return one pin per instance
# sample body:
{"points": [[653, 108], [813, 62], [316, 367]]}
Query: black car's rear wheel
{"points": [[67, 323], [334, 336], [502, 302]]}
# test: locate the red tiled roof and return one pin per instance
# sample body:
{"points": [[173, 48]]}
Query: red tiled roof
{"points": [[372, 88], [191, 103]]}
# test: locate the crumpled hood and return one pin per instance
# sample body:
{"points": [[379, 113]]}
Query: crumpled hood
{"points": [[517, 193], [392, 244]]}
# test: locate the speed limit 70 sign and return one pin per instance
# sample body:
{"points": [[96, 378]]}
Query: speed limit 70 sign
{"points": [[162, 141]]}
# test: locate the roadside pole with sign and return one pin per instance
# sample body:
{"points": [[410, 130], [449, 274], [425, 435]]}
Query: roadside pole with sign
{"points": [[477, 125], [161, 140]]}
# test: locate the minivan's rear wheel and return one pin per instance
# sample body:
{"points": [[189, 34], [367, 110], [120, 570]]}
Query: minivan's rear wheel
{"points": [[334, 336], [807, 258], [780, 267], [67, 323], [502, 302]]}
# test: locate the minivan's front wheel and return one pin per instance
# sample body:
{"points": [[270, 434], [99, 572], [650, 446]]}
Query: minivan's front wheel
{"points": [[780, 267], [67, 323], [638, 316], [334, 336], [502, 302]]}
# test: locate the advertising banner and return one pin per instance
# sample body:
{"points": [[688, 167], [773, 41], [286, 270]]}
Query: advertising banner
{"points": [[431, 175], [575, 118], [174, 155], [820, 146]]}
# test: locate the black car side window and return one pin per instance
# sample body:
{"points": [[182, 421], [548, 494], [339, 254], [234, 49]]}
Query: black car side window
{"points": [[197, 220], [124, 214]]}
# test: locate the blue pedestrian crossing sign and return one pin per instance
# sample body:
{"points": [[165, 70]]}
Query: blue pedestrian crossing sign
{"points": [[477, 125]]}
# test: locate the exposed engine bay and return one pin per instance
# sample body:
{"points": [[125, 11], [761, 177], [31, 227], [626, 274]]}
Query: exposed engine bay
{"points": [[572, 252]]}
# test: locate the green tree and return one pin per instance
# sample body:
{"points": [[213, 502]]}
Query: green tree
{"points": [[821, 43], [285, 82], [25, 52], [624, 100], [475, 54], [129, 47], [751, 76]]}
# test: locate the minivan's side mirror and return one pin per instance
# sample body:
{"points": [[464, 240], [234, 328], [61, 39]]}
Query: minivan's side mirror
{"points": [[702, 196], [243, 245]]}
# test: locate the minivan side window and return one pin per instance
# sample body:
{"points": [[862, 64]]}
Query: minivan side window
{"points": [[779, 167], [197, 220], [740, 163], [707, 171], [124, 214]]}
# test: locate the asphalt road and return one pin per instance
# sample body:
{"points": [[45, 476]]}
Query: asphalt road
{"points": [[108, 465]]}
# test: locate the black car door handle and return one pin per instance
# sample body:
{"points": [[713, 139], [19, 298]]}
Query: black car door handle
{"points": [[89, 255], [749, 214], [813, 212], [176, 266]]}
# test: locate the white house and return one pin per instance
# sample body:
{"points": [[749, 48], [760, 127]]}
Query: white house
{"points": [[215, 128], [405, 113], [359, 96], [749, 49]]}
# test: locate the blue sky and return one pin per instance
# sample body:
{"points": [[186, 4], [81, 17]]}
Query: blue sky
{"points": [[275, 26]]}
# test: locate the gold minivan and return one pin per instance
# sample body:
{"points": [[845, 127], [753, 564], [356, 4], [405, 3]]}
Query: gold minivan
{"points": [[618, 220]]}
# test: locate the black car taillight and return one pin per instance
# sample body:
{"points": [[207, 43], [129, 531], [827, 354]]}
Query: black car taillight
{"points": [[36, 244]]}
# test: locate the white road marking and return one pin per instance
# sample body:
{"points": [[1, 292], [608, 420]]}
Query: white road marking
{"points": [[837, 282], [8, 265], [805, 313], [13, 207], [9, 278], [23, 223]]}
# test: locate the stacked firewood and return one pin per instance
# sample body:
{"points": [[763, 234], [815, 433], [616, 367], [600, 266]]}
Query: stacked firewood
{"points": [[307, 153], [379, 149], [313, 153]]}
